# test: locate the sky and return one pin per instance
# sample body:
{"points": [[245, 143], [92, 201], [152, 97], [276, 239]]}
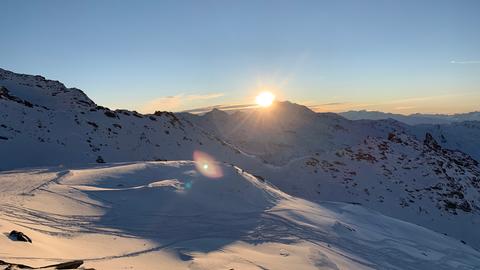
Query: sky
{"points": [[394, 56]]}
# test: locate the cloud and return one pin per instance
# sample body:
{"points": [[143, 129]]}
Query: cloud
{"points": [[204, 97], [470, 62], [331, 106], [220, 107], [402, 108], [175, 103], [445, 103], [162, 104]]}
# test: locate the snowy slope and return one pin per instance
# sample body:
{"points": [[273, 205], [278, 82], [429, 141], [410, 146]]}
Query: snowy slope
{"points": [[168, 215], [400, 177], [380, 164], [384, 165], [58, 125]]}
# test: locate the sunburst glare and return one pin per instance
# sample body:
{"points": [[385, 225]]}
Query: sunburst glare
{"points": [[265, 99]]}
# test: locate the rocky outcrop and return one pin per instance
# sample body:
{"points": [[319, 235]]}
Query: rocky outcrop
{"points": [[430, 142], [19, 236], [66, 265]]}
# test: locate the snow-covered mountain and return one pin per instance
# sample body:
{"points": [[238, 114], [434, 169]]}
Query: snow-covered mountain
{"points": [[413, 119], [427, 175], [294, 130], [464, 136], [167, 215], [50, 124], [401, 177], [380, 164], [457, 131], [287, 131]]}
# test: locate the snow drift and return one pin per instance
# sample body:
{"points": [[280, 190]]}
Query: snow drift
{"points": [[168, 215]]}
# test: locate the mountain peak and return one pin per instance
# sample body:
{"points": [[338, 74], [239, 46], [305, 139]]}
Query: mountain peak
{"points": [[292, 107], [41, 92]]}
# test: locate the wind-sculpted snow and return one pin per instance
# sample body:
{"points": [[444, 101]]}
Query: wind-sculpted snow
{"points": [[169, 215]]}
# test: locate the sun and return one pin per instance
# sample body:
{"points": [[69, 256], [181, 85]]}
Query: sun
{"points": [[265, 99]]}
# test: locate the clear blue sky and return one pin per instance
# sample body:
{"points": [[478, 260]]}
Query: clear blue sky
{"points": [[401, 56]]}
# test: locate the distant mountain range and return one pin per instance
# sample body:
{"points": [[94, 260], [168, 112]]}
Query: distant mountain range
{"points": [[425, 174], [413, 119]]}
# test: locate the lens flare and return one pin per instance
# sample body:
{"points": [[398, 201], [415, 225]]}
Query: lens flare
{"points": [[207, 165]]}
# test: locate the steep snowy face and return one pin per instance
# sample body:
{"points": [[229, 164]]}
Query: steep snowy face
{"points": [[50, 124], [146, 214]]}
